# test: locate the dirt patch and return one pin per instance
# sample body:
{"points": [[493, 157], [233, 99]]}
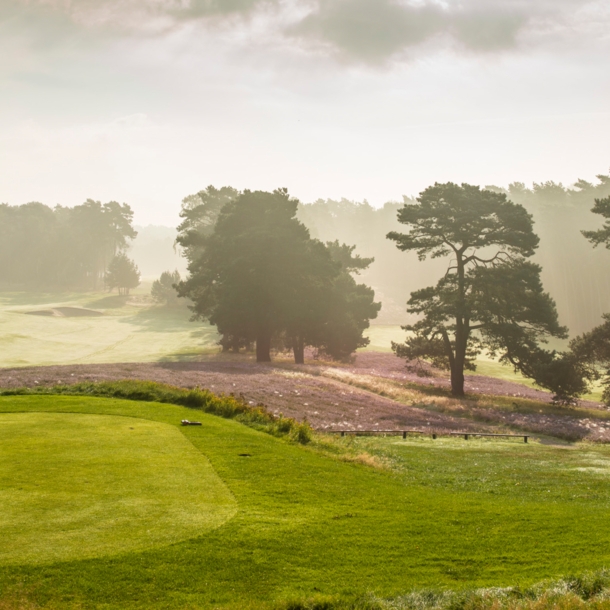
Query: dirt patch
{"points": [[66, 312]]}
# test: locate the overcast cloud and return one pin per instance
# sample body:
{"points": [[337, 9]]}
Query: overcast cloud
{"points": [[146, 101]]}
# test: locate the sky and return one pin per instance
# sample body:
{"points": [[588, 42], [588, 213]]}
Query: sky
{"points": [[148, 101]]}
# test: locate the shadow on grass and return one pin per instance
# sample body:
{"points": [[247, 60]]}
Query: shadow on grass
{"points": [[160, 319]]}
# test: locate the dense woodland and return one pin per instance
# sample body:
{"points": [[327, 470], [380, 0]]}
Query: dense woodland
{"points": [[60, 248]]}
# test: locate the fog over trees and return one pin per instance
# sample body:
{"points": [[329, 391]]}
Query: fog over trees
{"points": [[572, 272], [256, 273], [44, 247], [490, 295]]}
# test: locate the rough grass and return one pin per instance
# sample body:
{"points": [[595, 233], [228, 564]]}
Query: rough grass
{"points": [[313, 528], [230, 407], [508, 412], [590, 591], [75, 486]]}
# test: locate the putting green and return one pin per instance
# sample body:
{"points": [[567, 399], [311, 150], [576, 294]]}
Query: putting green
{"points": [[77, 486]]}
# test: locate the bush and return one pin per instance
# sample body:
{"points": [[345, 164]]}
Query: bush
{"points": [[229, 407], [163, 290]]}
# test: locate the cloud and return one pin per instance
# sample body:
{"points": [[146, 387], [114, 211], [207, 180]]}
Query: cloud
{"points": [[368, 29], [374, 30], [202, 8], [364, 31]]}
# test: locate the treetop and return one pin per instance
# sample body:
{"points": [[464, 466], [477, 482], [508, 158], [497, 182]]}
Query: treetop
{"points": [[602, 236], [450, 218]]}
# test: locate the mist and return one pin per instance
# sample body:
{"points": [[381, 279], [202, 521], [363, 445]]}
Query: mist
{"points": [[304, 304]]}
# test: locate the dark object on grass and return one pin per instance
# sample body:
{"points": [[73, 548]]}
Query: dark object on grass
{"points": [[186, 422]]}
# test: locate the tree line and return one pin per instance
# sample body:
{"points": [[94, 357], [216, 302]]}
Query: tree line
{"points": [[256, 272], [61, 247], [572, 272]]}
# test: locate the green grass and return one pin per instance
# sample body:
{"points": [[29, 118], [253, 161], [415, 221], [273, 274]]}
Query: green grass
{"points": [[75, 486], [450, 514], [131, 330]]}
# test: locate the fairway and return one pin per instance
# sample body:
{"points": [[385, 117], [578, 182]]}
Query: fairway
{"points": [[448, 513], [75, 486], [130, 329]]}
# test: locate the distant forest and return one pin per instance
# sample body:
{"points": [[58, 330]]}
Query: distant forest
{"points": [[60, 248], [575, 274]]}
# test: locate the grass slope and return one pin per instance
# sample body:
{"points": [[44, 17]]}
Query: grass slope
{"points": [[311, 525], [381, 337], [76, 486], [131, 330]]}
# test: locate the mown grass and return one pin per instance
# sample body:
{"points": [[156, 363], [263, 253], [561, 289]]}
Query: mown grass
{"points": [[94, 485], [132, 329], [230, 407], [313, 527]]}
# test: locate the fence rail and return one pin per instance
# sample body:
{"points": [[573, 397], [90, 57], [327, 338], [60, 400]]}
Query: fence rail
{"points": [[434, 435]]}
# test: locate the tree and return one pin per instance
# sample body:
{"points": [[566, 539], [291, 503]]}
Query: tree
{"points": [[351, 305], [258, 273], [593, 349], [62, 247], [601, 236], [199, 214], [490, 296], [122, 274], [163, 290]]}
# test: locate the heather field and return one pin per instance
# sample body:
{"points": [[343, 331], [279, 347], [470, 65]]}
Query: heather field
{"points": [[337, 523], [100, 328]]}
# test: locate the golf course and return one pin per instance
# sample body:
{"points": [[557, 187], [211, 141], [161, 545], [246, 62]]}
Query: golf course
{"points": [[111, 503]]}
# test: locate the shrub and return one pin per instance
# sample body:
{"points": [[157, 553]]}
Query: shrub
{"points": [[163, 290], [229, 407]]}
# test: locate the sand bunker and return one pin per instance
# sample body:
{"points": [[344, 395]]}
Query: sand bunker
{"points": [[66, 312]]}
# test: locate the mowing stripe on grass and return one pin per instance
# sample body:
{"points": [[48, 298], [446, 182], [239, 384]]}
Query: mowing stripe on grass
{"points": [[79, 486]]}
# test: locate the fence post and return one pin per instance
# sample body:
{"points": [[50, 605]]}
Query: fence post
{"points": [[404, 435], [525, 439], [433, 436], [342, 433], [465, 437]]}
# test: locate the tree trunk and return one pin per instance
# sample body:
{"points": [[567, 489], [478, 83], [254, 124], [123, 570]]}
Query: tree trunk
{"points": [[457, 379], [298, 349], [456, 362], [461, 331], [263, 347]]}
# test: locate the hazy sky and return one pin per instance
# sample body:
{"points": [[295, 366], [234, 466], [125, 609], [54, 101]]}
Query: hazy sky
{"points": [[146, 101]]}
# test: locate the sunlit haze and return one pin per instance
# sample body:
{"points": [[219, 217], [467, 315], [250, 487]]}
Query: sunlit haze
{"points": [[144, 102]]}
